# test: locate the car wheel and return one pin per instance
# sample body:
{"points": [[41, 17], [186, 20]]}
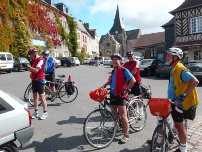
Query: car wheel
{"points": [[9, 148]]}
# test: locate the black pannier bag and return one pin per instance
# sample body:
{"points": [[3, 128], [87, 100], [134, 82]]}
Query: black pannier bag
{"points": [[145, 91], [69, 87]]}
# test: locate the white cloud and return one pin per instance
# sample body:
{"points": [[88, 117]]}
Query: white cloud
{"points": [[147, 15]]}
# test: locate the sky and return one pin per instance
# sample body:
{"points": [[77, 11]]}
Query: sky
{"points": [[147, 15]]}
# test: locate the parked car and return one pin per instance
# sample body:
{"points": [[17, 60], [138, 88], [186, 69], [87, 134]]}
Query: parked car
{"points": [[196, 68], [148, 67], [107, 62], [75, 60], [58, 62], [66, 62], [86, 61], [163, 70], [6, 61], [20, 64], [15, 120]]}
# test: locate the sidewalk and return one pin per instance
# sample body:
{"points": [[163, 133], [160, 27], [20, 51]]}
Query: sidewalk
{"points": [[195, 135]]}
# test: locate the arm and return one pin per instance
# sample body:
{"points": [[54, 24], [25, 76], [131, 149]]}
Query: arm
{"points": [[191, 85], [38, 67], [108, 82], [131, 83]]}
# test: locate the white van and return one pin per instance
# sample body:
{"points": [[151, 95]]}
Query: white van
{"points": [[6, 61]]}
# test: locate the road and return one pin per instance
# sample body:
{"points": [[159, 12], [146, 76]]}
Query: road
{"points": [[63, 130]]}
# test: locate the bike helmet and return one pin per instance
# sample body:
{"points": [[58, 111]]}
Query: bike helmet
{"points": [[176, 52], [46, 52], [129, 53], [32, 50], [117, 56]]}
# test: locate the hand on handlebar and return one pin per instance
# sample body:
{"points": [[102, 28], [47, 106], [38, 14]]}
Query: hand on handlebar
{"points": [[179, 100]]}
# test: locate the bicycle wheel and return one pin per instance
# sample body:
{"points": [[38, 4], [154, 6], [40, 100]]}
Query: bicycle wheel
{"points": [[64, 97], [159, 139], [137, 115], [26, 94], [100, 128]]}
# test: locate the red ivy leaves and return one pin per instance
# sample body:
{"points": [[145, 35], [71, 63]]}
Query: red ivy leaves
{"points": [[40, 21]]}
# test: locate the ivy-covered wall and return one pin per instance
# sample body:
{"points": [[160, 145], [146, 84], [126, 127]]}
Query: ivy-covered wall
{"points": [[22, 20]]}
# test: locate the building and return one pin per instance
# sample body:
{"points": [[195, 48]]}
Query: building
{"points": [[87, 39], [117, 40], [186, 29], [60, 49], [150, 45]]}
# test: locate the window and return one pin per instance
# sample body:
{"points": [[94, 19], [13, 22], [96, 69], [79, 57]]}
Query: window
{"points": [[2, 57], [196, 25], [197, 55], [9, 57]]}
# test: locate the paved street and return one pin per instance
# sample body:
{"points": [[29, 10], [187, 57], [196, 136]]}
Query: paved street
{"points": [[63, 130]]}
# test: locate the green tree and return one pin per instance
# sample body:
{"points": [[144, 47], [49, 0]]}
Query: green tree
{"points": [[22, 38], [72, 38]]}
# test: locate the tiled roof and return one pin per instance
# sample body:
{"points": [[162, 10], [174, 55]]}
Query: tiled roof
{"points": [[132, 34], [150, 39], [187, 4], [169, 23]]}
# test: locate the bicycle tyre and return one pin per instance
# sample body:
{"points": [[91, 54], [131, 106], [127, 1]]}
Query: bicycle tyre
{"points": [[26, 92], [137, 116], [64, 97], [102, 133], [159, 146]]}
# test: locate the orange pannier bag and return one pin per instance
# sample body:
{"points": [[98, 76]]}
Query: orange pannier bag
{"points": [[159, 107], [98, 94]]}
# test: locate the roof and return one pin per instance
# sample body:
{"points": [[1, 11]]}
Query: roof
{"points": [[107, 36], [187, 4], [169, 23], [81, 27], [132, 34], [117, 26], [150, 39]]}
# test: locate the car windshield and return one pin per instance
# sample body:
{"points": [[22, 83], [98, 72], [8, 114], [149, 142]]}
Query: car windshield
{"points": [[146, 62], [2, 57], [24, 60]]}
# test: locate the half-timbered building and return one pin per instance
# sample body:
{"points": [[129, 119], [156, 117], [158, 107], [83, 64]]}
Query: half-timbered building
{"points": [[187, 24]]}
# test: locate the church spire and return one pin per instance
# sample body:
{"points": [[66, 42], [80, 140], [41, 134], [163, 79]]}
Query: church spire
{"points": [[117, 27]]}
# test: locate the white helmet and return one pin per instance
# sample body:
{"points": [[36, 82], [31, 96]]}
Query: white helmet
{"points": [[176, 52]]}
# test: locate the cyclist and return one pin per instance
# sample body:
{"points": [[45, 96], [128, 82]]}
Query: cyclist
{"points": [[133, 66], [120, 81], [182, 91], [49, 68], [38, 81]]}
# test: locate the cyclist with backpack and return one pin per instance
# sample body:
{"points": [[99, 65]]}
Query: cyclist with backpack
{"points": [[182, 91], [120, 81], [49, 68]]}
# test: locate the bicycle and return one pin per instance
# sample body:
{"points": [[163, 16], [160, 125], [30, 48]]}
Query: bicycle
{"points": [[101, 125], [66, 91], [163, 134]]}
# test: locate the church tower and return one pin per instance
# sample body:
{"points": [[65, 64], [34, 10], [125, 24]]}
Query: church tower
{"points": [[119, 32]]}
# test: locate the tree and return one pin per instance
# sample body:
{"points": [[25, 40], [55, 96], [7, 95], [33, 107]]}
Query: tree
{"points": [[72, 41], [22, 38]]}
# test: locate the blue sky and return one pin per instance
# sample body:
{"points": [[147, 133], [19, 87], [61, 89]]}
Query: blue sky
{"points": [[147, 15]]}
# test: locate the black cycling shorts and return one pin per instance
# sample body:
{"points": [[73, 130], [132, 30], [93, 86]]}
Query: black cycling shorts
{"points": [[50, 77], [38, 86], [117, 101], [179, 116]]}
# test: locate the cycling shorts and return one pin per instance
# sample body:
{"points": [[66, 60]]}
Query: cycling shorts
{"points": [[179, 115], [118, 101], [38, 86]]}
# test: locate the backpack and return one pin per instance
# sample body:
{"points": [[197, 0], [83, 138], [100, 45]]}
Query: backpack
{"points": [[49, 65]]}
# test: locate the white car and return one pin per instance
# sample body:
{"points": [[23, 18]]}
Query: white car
{"points": [[6, 61], [15, 123]]}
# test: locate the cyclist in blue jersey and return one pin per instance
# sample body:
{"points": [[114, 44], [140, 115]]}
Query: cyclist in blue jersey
{"points": [[120, 81]]}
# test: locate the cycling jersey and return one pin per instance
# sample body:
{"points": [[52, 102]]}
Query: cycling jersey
{"points": [[177, 86], [119, 78], [38, 63]]}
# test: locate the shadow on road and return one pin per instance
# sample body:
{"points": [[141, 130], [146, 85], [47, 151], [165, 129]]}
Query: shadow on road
{"points": [[144, 148], [56, 143], [72, 119]]}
